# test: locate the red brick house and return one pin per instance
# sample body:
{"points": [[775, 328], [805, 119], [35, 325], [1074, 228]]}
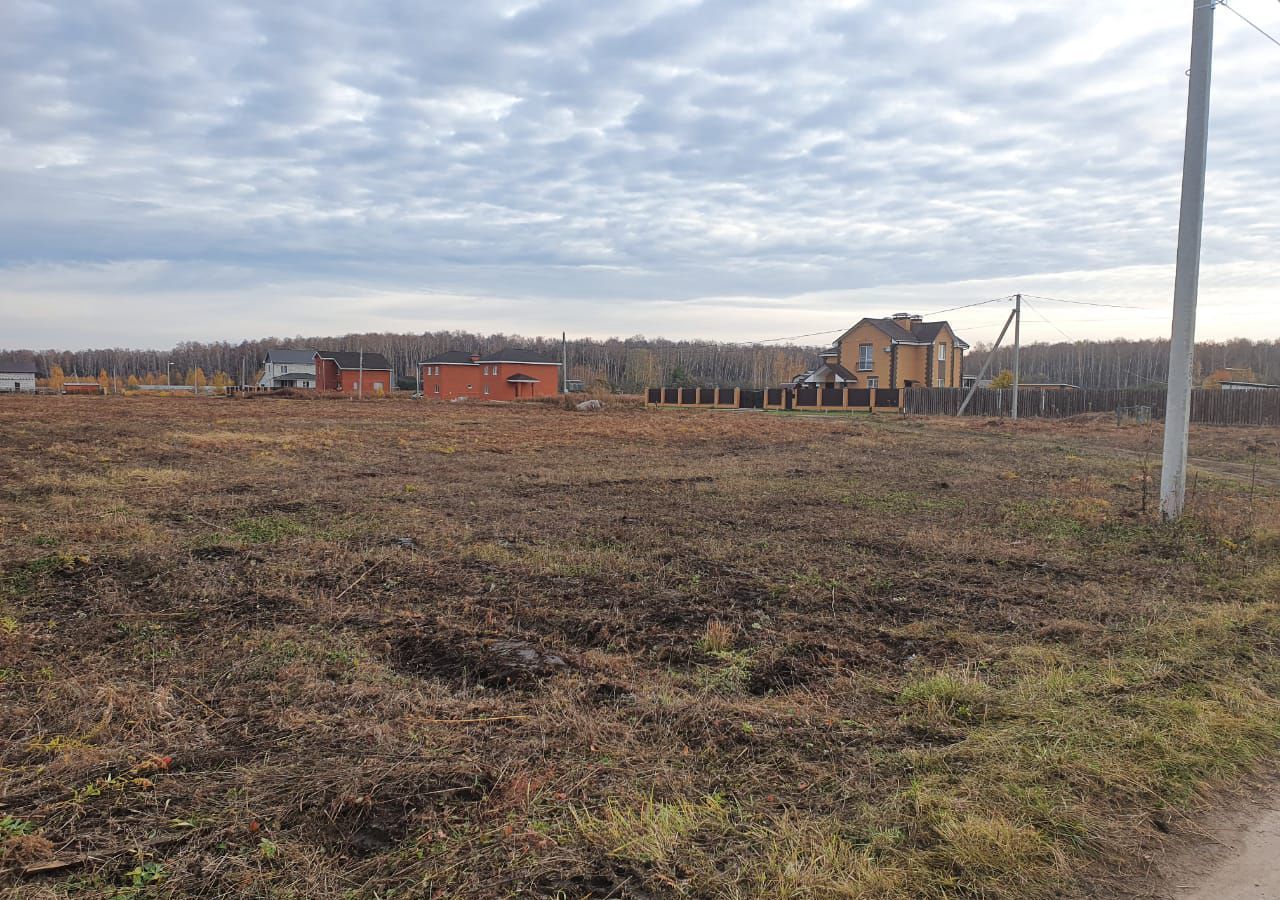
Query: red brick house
{"points": [[509, 374], [361, 375]]}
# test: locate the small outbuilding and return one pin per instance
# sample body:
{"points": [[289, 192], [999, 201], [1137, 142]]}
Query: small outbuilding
{"points": [[82, 387], [17, 377]]}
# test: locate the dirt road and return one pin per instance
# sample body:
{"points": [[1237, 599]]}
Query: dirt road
{"points": [[1238, 861]]}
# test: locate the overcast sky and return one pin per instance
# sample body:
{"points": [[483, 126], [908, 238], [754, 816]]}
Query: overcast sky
{"points": [[724, 169]]}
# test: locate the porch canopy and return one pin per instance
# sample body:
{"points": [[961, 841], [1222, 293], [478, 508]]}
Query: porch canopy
{"points": [[830, 374]]}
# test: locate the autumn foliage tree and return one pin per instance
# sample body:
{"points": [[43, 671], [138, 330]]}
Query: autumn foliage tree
{"points": [[56, 378]]}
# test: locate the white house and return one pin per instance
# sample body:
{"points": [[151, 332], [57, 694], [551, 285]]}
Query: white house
{"points": [[17, 377], [285, 367]]}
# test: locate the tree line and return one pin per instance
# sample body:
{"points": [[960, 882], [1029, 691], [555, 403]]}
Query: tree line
{"points": [[1122, 363], [628, 365], [631, 364]]}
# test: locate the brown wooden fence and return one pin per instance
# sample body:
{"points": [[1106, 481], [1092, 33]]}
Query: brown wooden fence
{"points": [[1207, 407]]}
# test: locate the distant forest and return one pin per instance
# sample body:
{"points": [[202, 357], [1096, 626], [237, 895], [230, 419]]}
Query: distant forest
{"points": [[1123, 364], [633, 363]]}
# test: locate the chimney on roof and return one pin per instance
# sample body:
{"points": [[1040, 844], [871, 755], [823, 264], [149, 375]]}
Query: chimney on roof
{"points": [[475, 357], [903, 320], [917, 318]]}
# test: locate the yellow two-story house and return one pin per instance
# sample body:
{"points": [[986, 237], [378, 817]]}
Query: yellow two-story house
{"points": [[901, 351]]}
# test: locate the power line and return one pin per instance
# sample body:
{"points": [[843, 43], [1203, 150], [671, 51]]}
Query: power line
{"points": [[1083, 302], [1045, 319], [938, 312], [793, 337], [1248, 22]]}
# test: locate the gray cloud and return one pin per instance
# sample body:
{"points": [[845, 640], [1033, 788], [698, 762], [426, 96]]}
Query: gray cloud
{"points": [[561, 151]]}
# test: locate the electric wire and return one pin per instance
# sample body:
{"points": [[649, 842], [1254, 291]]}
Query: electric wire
{"points": [[1248, 22], [1045, 319], [793, 337], [938, 312], [1081, 302]]}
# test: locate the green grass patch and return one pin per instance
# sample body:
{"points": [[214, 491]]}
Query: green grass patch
{"points": [[267, 529]]}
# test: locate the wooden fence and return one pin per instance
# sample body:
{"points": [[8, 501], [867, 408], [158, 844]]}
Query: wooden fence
{"points": [[1207, 407]]}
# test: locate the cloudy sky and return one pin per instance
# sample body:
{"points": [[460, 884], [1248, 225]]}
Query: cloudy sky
{"points": [[725, 169]]}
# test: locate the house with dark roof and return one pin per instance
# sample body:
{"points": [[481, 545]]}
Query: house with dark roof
{"points": [[287, 367], [510, 374], [17, 376], [360, 374], [896, 352]]}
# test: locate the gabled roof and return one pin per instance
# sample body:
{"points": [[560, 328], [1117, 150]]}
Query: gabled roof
{"points": [[289, 355], [929, 331], [895, 331], [920, 333], [18, 367], [517, 355], [834, 368], [522, 379], [449, 357], [352, 361]]}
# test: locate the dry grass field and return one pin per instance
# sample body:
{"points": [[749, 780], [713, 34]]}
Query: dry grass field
{"points": [[274, 648]]}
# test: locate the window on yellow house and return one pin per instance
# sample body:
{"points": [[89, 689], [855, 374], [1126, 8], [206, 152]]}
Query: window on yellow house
{"points": [[864, 358]]}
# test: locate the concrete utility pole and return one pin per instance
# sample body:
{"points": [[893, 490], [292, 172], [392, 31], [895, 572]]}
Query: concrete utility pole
{"points": [[986, 365], [1186, 282], [564, 364], [1017, 351], [360, 383]]}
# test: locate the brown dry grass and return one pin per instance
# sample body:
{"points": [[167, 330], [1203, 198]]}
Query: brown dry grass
{"points": [[340, 649]]}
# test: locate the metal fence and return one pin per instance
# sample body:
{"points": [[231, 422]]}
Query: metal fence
{"points": [[1260, 407], [808, 399]]}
